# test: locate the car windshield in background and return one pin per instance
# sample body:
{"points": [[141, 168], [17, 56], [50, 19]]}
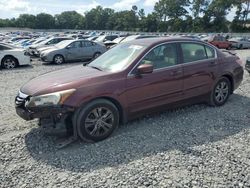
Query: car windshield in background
{"points": [[129, 38], [63, 44], [118, 58], [100, 39]]}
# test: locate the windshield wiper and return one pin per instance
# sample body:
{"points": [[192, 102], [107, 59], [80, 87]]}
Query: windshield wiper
{"points": [[94, 67]]}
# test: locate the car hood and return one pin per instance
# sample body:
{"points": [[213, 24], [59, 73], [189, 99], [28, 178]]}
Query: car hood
{"points": [[64, 79], [46, 48], [49, 50]]}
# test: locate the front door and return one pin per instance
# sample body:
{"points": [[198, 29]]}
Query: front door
{"points": [[162, 86], [73, 51], [87, 50]]}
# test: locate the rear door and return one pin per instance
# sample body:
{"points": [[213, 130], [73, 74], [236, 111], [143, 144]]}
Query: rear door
{"points": [[87, 50], [199, 68], [161, 87]]}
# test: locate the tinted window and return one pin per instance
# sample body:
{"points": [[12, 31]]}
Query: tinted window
{"points": [[210, 52], [193, 52], [76, 44], [51, 41], [4, 47], [161, 56], [87, 44]]}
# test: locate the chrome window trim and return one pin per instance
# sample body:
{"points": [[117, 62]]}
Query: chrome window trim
{"points": [[177, 65]]}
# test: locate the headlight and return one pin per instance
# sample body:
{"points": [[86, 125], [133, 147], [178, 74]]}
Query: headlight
{"points": [[50, 99]]}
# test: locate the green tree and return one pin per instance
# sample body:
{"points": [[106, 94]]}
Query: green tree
{"points": [[171, 9], [45, 21], [68, 20], [26, 20]]}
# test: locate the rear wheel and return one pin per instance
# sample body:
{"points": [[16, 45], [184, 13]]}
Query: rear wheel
{"points": [[96, 55], [97, 120], [221, 92], [9, 62], [58, 59]]}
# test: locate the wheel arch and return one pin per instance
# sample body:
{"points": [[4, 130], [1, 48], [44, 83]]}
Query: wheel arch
{"points": [[230, 78], [58, 54], [122, 111], [118, 106]]}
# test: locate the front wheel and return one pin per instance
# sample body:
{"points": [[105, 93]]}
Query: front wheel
{"points": [[221, 92], [96, 55], [58, 59], [9, 63], [97, 120]]}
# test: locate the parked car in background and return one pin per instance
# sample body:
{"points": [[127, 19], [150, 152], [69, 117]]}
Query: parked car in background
{"points": [[110, 44], [134, 37], [92, 38], [104, 38], [34, 49], [73, 50], [247, 66], [129, 80], [220, 42], [12, 57], [240, 43]]}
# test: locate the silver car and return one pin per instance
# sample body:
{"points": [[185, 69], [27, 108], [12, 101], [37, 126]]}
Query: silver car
{"points": [[240, 43], [73, 50]]}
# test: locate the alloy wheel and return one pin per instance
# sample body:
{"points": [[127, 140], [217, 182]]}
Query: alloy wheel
{"points": [[9, 63], [58, 60], [221, 92], [99, 122]]}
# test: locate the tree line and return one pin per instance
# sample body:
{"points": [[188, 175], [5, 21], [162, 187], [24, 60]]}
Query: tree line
{"points": [[167, 16]]}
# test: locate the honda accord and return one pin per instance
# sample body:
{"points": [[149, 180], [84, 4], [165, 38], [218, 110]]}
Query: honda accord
{"points": [[132, 79]]}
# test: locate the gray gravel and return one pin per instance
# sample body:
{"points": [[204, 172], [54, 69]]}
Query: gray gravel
{"points": [[195, 146]]}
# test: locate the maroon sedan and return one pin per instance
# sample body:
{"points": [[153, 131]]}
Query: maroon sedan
{"points": [[130, 80]]}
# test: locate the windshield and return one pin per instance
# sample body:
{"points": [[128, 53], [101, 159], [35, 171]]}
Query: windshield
{"points": [[118, 40], [118, 58], [101, 38]]}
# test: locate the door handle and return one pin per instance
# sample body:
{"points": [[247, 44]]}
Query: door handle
{"points": [[212, 64]]}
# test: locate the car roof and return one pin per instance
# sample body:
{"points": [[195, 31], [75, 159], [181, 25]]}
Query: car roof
{"points": [[158, 40]]}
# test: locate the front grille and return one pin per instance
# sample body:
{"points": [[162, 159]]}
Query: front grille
{"points": [[20, 99]]}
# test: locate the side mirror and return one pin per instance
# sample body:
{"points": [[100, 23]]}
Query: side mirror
{"points": [[68, 47], [145, 69]]}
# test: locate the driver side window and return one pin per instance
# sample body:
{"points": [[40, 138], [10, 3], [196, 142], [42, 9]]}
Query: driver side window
{"points": [[162, 56], [75, 45]]}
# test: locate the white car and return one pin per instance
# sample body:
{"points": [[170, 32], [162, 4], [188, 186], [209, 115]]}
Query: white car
{"points": [[240, 43], [11, 56]]}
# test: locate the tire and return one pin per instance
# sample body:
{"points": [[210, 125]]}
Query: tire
{"points": [[58, 59], [229, 47], [96, 55], [220, 92], [9, 62], [241, 46], [97, 120]]}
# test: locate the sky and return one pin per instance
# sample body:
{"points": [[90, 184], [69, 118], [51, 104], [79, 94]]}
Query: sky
{"points": [[13, 8]]}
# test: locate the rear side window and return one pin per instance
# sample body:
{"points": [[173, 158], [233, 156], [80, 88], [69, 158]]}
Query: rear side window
{"points": [[87, 43], [210, 52], [193, 52]]}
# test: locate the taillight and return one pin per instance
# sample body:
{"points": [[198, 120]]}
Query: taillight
{"points": [[239, 61]]}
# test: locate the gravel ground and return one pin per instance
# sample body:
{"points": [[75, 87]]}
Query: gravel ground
{"points": [[195, 146]]}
